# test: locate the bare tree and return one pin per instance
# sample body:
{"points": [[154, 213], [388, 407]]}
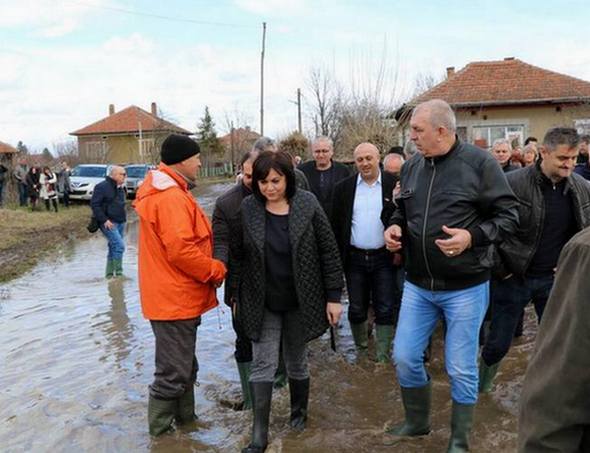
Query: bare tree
{"points": [[424, 81], [325, 95]]}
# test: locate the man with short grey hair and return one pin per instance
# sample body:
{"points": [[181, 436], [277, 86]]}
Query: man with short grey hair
{"points": [[108, 208], [392, 163], [555, 204], [323, 173], [454, 205], [502, 152]]}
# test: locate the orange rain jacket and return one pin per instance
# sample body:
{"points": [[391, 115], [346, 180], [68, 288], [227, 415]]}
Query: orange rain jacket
{"points": [[177, 273]]}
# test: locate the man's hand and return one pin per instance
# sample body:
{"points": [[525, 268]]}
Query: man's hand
{"points": [[393, 236], [459, 241], [333, 311], [108, 225]]}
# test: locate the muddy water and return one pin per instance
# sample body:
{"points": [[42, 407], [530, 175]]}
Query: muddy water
{"points": [[76, 358]]}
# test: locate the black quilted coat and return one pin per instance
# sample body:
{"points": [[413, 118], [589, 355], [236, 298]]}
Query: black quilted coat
{"points": [[316, 264]]}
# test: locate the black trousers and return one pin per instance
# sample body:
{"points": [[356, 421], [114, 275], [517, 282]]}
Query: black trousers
{"points": [[176, 361]]}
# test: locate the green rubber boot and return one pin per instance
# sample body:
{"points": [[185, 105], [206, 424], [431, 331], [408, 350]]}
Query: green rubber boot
{"points": [[118, 268], [486, 376], [161, 413], [244, 370], [186, 407], [109, 273], [360, 334], [383, 340], [417, 407], [461, 423]]}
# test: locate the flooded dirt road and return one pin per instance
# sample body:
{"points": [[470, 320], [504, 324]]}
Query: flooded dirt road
{"points": [[76, 358]]}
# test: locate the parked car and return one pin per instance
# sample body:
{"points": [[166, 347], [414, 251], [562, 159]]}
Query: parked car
{"points": [[136, 173], [84, 178]]}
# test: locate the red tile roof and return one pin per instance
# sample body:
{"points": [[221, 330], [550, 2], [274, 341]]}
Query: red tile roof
{"points": [[506, 82], [5, 148], [130, 120], [241, 135]]}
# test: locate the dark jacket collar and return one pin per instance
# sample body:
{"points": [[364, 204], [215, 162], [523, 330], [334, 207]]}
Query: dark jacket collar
{"points": [[441, 158]]}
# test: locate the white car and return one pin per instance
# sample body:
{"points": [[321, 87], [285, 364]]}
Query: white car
{"points": [[84, 178]]}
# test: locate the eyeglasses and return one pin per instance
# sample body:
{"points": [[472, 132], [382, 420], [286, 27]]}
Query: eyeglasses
{"points": [[322, 151]]}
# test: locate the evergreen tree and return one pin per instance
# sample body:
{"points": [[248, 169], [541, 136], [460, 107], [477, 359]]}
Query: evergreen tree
{"points": [[47, 154], [207, 137], [22, 148]]}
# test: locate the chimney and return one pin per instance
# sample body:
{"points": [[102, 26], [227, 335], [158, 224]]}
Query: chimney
{"points": [[450, 72], [508, 58], [154, 109], [111, 109]]}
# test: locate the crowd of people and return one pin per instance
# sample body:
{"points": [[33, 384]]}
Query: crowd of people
{"points": [[440, 231], [36, 183]]}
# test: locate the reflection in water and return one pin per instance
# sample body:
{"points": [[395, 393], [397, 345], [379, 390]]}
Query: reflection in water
{"points": [[76, 358], [118, 330]]}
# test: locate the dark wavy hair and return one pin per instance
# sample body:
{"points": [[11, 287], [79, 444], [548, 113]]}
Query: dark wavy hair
{"points": [[280, 162]]}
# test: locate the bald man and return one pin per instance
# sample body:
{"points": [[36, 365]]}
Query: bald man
{"points": [[361, 203], [108, 208], [392, 163]]}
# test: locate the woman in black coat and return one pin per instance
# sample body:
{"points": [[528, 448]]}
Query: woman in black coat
{"points": [[290, 283], [33, 186]]}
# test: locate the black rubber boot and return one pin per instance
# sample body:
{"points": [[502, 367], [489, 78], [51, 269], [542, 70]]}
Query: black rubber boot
{"points": [[161, 413], [244, 370], [461, 423], [261, 400], [186, 407], [417, 407], [299, 390]]}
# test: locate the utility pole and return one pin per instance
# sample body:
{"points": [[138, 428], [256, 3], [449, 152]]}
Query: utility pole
{"points": [[262, 79], [233, 147], [299, 110], [298, 103]]}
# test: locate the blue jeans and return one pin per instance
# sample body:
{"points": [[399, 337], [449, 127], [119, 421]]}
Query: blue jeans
{"points": [[509, 297], [463, 311], [370, 277], [116, 243]]}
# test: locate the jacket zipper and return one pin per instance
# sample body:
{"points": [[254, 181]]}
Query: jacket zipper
{"points": [[425, 224]]}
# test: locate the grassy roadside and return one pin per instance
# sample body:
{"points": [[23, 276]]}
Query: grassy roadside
{"points": [[26, 237]]}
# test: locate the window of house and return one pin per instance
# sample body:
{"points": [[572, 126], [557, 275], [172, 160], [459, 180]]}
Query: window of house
{"points": [[484, 136], [146, 149], [582, 126]]}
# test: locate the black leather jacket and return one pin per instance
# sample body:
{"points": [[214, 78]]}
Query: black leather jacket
{"points": [[518, 249], [466, 189]]}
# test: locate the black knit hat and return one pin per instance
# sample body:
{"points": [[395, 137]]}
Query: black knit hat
{"points": [[177, 148]]}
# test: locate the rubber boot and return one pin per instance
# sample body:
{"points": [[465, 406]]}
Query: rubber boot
{"points": [[383, 340], [281, 373], [261, 399], [360, 336], [109, 272], [244, 370], [417, 407], [186, 406], [161, 413], [486, 376], [299, 389], [117, 267], [461, 423]]}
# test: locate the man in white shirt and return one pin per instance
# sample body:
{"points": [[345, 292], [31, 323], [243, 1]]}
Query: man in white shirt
{"points": [[361, 204]]}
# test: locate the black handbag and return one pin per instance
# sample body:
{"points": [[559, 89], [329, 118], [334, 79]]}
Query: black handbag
{"points": [[93, 225]]}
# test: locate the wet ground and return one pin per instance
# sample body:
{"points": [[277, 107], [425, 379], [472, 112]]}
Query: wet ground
{"points": [[76, 357]]}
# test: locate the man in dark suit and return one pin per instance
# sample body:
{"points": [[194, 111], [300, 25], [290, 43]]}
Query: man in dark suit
{"points": [[323, 173], [362, 204]]}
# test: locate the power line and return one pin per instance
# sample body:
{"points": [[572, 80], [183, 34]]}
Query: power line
{"points": [[159, 16]]}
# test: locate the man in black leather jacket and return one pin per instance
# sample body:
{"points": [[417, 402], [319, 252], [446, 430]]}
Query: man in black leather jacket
{"points": [[454, 205], [554, 204]]}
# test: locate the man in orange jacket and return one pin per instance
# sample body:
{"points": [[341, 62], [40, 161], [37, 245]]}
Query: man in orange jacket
{"points": [[177, 278]]}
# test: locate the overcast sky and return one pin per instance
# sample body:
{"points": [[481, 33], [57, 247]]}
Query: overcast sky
{"points": [[63, 62]]}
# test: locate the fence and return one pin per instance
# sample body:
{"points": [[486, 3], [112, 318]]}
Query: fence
{"points": [[225, 169]]}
